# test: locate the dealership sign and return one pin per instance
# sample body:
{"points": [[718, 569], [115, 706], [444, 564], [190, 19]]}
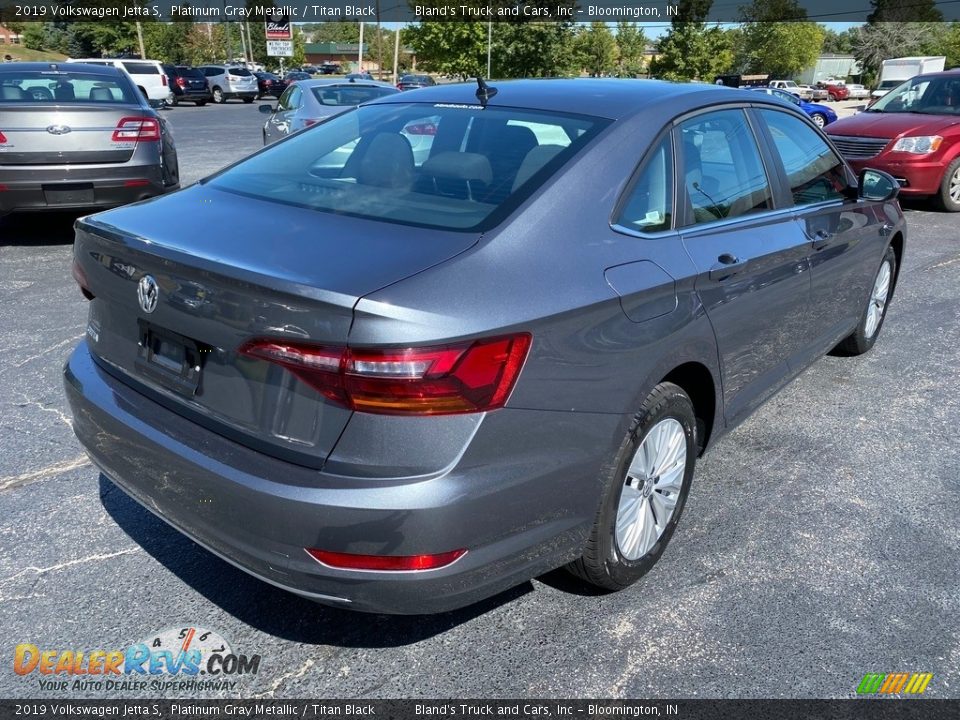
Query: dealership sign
{"points": [[280, 48], [278, 27]]}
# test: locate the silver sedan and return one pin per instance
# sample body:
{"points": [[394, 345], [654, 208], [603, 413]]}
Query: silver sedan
{"points": [[307, 102]]}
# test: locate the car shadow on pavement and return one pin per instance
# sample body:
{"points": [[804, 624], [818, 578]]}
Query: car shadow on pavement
{"points": [[37, 229], [270, 609]]}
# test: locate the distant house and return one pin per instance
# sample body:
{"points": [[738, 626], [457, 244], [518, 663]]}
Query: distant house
{"points": [[345, 54], [830, 65], [9, 37]]}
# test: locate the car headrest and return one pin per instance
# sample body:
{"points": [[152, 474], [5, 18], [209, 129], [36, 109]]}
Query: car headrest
{"points": [[387, 162], [470, 167], [101, 94], [534, 160], [12, 92]]}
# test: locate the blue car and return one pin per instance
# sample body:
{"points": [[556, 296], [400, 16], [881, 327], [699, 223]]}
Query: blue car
{"points": [[820, 114]]}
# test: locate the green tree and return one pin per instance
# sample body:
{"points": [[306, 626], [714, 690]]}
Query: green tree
{"points": [[690, 50], [839, 43], [596, 49], [631, 44], [453, 48], [951, 44], [532, 49], [35, 36], [904, 11], [779, 48]]}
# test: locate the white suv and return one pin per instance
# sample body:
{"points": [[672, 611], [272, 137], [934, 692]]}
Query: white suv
{"points": [[148, 75], [227, 82]]}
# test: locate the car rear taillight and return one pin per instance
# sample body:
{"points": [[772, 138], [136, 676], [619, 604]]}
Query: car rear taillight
{"points": [[3, 138], [394, 563], [137, 129], [181, 82], [81, 279], [450, 379], [163, 79], [427, 128]]}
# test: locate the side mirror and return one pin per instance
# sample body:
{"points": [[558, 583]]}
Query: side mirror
{"points": [[877, 185], [267, 109]]}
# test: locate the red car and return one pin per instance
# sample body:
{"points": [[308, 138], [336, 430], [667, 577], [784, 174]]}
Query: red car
{"points": [[835, 92], [913, 133]]}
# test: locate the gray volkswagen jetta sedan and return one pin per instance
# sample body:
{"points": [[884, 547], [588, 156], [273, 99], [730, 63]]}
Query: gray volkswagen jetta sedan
{"points": [[79, 136], [402, 384]]}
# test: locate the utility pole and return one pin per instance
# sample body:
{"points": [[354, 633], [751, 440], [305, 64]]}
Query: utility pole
{"points": [[396, 55], [360, 49], [143, 51], [489, 46], [379, 46], [243, 42]]}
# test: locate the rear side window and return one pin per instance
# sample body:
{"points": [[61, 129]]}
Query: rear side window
{"points": [[135, 68], [458, 167], [33, 86], [814, 172], [721, 167], [349, 94], [649, 202], [189, 72], [241, 72]]}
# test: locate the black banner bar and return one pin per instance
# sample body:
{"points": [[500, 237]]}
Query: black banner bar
{"points": [[853, 709], [651, 11]]}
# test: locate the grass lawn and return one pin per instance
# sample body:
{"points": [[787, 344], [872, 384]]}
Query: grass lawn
{"points": [[19, 52]]}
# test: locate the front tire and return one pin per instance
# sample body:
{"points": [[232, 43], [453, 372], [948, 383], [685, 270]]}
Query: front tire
{"points": [[645, 492], [868, 329], [949, 196], [818, 119]]}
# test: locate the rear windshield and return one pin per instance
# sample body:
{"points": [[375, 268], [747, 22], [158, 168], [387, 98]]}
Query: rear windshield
{"points": [[456, 167], [189, 72], [42, 86], [242, 72], [135, 68], [349, 94]]}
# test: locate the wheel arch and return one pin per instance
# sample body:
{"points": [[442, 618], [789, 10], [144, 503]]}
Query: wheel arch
{"points": [[897, 242], [698, 383]]}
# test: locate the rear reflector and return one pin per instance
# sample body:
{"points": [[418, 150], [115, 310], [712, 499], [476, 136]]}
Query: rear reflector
{"points": [[137, 129], [450, 379], [388, 563], [135, 183], [81, 279], [3, 138]]}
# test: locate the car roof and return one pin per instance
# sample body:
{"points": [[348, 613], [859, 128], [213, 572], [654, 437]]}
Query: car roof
{"points": [[323, 82], [605, 97], [108, 70]]}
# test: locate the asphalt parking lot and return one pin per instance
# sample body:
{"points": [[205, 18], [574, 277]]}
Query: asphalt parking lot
{"points": [[821, 539]]}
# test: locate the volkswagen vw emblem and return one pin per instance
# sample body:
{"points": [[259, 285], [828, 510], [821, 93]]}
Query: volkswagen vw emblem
{"points": [[58, 129], [148, 292]]}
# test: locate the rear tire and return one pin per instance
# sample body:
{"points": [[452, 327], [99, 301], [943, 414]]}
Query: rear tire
{"points": [[868, 329], [818, 119], [173, 101], [949, 196], [644, 492], [218, 97]]}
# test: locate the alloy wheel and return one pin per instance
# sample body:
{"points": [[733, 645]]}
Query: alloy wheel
{"points": [[878, 300], [652, 488]]}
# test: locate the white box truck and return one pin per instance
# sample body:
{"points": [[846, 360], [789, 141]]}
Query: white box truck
{"points": [[895, 71]]}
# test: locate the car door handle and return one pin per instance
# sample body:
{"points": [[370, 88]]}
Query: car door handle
{"points": [[727, 266], [821, 239]]}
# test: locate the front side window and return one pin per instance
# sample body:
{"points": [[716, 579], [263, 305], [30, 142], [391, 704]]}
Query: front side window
{"points": [[290, 100], [721, 167], [814, 172], [650, 200], [456, 167]]}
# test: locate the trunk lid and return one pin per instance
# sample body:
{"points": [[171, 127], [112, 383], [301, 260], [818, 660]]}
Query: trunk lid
{"points": [[64, 135], [256, 269]]}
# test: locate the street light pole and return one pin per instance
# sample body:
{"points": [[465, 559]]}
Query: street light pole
{"points": [[396, 55], [360, 49]]}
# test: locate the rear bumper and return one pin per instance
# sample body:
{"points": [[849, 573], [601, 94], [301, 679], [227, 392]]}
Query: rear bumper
{"points": [[917, 177], [26, 188], [518, 515]]}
